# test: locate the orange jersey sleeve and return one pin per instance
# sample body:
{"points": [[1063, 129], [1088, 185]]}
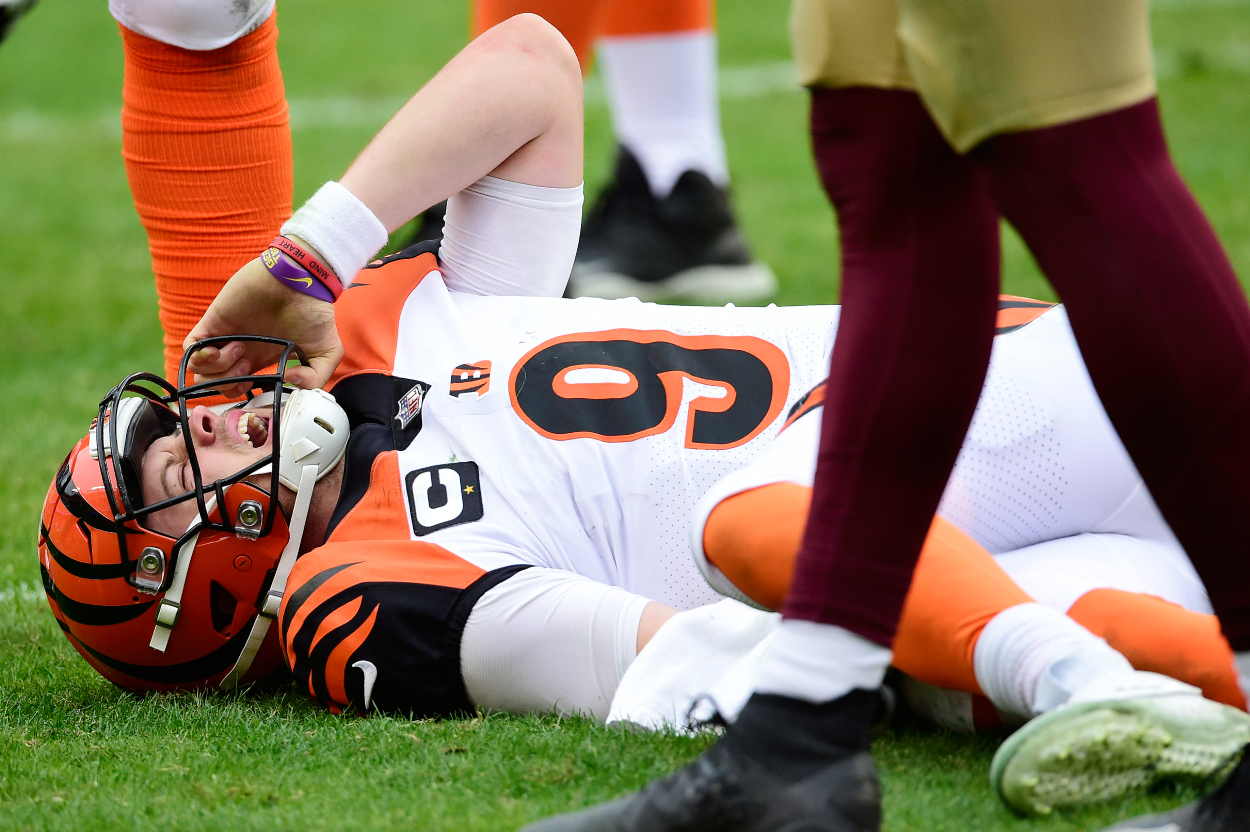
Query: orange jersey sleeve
{"points": [[367, 315]]}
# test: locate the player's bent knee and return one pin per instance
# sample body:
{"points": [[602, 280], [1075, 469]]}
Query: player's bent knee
{"points": [[751, 540], [538, 39]]}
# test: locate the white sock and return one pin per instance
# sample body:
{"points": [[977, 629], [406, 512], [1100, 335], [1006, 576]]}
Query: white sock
{"points": [[820, 662], [1242, 661], [1030, 658], [662, 94]]}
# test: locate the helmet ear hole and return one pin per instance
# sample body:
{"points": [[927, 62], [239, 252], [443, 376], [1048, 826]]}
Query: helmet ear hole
{"points": [[222, 605]]}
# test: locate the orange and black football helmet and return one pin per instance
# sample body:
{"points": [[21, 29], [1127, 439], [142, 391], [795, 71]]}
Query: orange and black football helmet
{"points": [[154, 612]]}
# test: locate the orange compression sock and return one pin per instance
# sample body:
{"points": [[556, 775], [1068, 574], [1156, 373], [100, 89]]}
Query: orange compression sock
{"points": [[207, 143], [956, 590], [582, 22], [1158, 635], [754, 537], [655, 17]]}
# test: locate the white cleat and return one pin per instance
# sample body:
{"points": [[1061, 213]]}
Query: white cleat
{"points": [[1118, 733]]}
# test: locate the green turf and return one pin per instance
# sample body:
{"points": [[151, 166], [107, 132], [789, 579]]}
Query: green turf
{"points": [[79, 311]]}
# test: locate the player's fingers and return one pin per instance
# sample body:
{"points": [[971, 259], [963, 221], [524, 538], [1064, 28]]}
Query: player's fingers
{"points": [[197, 333], [239, 368], [320, 368], [305, 378], [216, 360]]}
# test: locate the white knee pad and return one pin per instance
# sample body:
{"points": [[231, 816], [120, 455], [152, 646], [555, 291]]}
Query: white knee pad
{"points": [[198, 25]]}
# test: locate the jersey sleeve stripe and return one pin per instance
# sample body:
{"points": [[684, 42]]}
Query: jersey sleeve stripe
{"points": [[336, 663]]}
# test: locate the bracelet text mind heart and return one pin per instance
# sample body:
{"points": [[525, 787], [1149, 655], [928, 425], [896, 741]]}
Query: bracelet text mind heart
{"points": [[294, 276]]}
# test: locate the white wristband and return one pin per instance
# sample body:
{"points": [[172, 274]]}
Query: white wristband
{"points": [[340, 227]]}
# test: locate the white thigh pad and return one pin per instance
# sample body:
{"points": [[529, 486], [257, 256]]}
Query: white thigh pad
{"points": [[549, 640]]}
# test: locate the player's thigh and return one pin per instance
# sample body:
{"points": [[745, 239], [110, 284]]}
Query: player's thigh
{"points": [[546, 640], [848, 43], [1059, 572], [986, 67]]}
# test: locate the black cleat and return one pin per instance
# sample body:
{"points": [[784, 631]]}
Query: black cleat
{"points": [[10, 11], [784, 765], [686, 245], [1227, 809]]}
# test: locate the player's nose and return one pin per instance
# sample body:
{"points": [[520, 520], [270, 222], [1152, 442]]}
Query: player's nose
{"points": [[203, 423]]}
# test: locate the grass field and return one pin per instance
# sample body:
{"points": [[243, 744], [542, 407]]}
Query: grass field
{"points": [[80, 311]]}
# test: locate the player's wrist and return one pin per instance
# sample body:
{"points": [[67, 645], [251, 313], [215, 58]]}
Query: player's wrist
{"points": [[341, 230], [297, 266]]}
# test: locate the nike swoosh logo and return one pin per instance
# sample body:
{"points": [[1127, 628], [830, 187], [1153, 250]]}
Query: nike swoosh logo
{"points": [[307, 281], [371, 676]]}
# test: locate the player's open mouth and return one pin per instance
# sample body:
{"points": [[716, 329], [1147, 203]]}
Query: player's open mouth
{"points": [[249, 428]]}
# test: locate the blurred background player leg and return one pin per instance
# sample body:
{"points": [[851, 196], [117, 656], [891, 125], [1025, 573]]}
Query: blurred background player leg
{"points": [[10, 11], [207, 144], [664, 226]]}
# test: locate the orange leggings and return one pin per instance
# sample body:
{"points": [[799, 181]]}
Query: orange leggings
{"points": [[207, 144], [754, 537], [582, 22]]}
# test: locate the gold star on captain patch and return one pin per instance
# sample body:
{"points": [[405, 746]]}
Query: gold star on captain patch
{"points": [[468, 489]]}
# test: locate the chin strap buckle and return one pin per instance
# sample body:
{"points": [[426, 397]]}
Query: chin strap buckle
{"points": [[166, 617], [167, 613], [272, 602]]}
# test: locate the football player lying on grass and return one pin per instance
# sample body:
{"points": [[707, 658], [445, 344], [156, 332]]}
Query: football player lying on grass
{"points": [[493, 506]]}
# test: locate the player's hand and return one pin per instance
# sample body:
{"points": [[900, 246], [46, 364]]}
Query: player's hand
{"points": [[254, 303]]}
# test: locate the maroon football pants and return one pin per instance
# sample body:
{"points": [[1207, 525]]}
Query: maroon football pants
{"points": [[920, 264], [1161, 320]]}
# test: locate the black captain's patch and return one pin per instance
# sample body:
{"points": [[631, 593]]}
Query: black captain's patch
{"points": [[442, 496]]}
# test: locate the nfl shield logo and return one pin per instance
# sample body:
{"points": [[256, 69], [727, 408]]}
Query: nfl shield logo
{"points": [[409, 405]]}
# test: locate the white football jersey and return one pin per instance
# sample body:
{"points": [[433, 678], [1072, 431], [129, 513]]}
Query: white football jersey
{"points": [[580, 435]]}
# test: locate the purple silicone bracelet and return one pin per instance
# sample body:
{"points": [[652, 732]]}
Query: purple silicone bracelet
{"points": [[294, 276]]}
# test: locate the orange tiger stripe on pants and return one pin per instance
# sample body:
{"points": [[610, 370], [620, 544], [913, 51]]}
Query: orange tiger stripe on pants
{"points": [[754, 537], [207, 143]]}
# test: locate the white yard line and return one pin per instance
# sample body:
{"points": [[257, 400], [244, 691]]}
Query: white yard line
{"points": [[736, 83], [344, 113]]}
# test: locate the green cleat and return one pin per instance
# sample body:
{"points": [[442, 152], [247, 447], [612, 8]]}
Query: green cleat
{"points": [[1116, 736]]}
